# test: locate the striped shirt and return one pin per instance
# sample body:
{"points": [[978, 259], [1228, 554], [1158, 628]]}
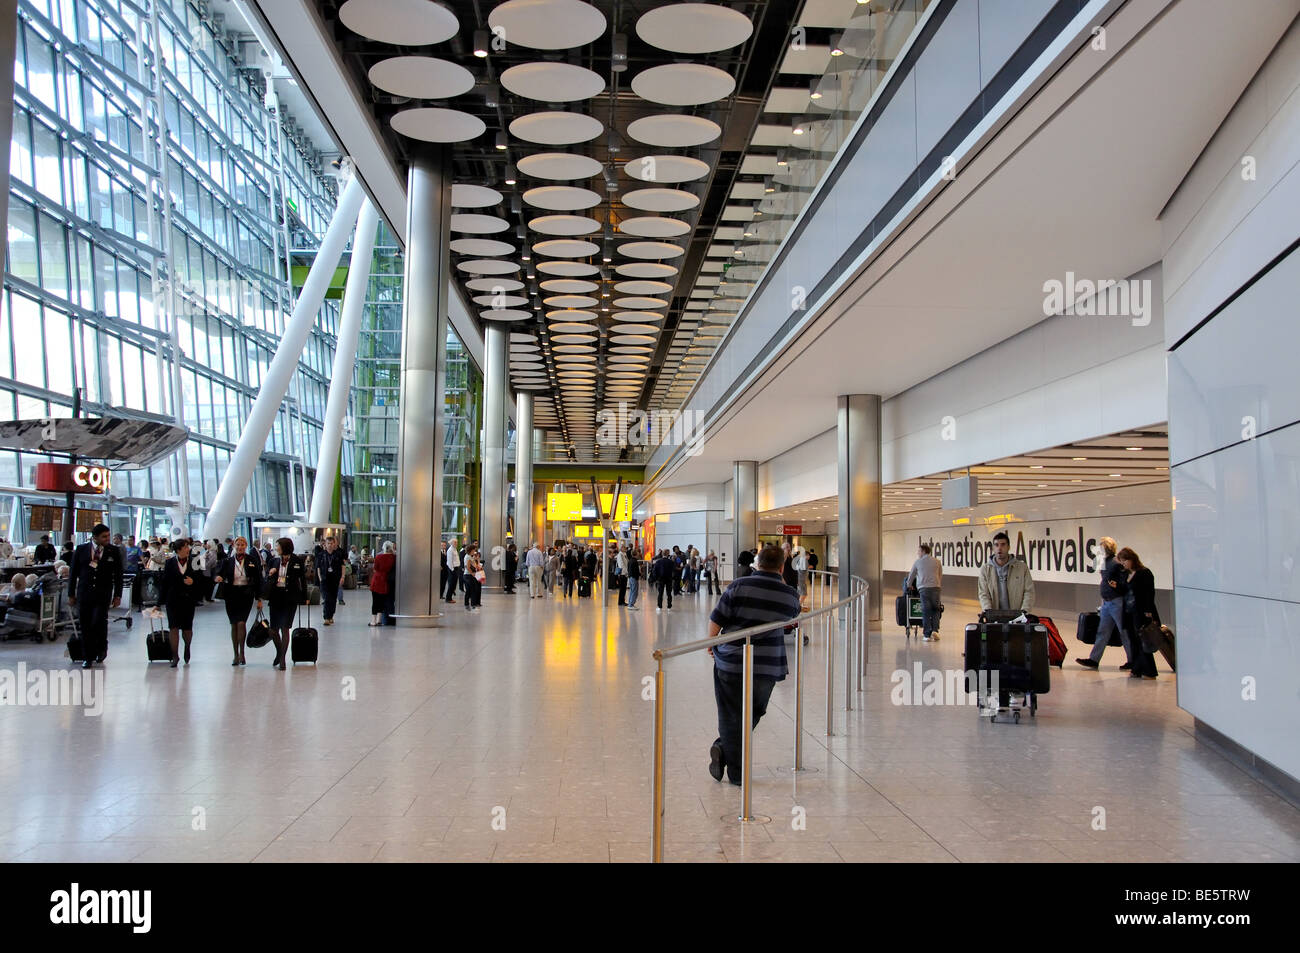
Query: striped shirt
{"points": [[752, 600]]}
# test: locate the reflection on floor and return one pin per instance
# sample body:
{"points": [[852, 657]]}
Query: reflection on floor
{"points": [[521, 733]]}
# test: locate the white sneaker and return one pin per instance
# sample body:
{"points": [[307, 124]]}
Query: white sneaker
{"points": [[927, 639]]}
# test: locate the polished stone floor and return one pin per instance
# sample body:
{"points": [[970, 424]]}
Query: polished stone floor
{"points": [[521, 733]]}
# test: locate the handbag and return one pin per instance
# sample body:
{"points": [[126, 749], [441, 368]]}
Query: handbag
{"points": [[259, 633], [1152, 639], [481, 576]]}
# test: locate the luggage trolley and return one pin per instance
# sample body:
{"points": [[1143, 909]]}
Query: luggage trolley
{"points": [[1016, 654], [914, 618]]}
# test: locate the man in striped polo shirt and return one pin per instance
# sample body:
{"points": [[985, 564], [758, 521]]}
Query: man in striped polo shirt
{"points": [[760, 597]]}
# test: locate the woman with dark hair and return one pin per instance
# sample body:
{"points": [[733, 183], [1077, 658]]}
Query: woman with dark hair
{"points": [[1139, 609], [240, 576], [286, 582], [473, 584], [181, 590], [512, 568]]}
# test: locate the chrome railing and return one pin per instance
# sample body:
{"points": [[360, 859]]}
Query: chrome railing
{"points": [[823, 617]]}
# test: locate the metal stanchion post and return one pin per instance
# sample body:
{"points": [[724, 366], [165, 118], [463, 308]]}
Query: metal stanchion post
{"points": [[747, 736], [657, 838], [849, 635], [798, 699], [832, 626]]}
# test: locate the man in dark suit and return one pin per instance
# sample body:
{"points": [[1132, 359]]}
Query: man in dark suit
{"points": [[95, 584], [329, 574], [45, 552]]}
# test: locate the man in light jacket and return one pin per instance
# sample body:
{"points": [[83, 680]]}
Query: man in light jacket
{"points": [[453, 570], [1005, 582], [536, 563], [927, 574]]}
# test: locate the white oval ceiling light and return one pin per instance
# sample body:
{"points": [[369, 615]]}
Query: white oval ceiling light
{"points": [[694, 28], [486, 247], [666, 169], [564, 225], [501, 301], [464, 195], [640, 304], [570, 302], [477, 224], [562, 198], [400, 22], [629, 358], [421, 77], [683, 84], [573, 327], [553, 82], [640, 317], [652, 250], [642, 287], [547, 24], [571, 314], [631, 328], [646, 269], [494, 285], [568, 269], [671, 131], [486, 266], [575, 338], [660, 200], [632, 338], [556, 128], [650, 226], [566, 248], [437, 125], [569, 286], [559, 166], [505, 314]]}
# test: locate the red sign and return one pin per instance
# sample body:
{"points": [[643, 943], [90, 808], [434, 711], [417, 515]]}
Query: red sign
{"points": [[792, 529], [67, 478]]}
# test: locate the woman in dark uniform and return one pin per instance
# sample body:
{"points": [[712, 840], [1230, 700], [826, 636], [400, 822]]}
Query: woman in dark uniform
{"points": [[180, 592], [1139, 609], [241, 575], [287, 587]]}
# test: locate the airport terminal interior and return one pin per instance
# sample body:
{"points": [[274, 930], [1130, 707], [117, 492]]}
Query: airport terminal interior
{"points": [[402, 401]]}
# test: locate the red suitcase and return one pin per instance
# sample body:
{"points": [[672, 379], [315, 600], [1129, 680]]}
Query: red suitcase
{"points": [[1055, 644]]}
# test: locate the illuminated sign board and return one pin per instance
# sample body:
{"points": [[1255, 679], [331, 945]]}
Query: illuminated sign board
{"points": [[624, 513], [564, 506], [67, 478], [581, 531]]}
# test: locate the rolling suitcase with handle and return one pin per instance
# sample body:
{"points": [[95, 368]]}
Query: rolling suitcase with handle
{"points": [[156, 644], [1055, 644], [304, 642]]}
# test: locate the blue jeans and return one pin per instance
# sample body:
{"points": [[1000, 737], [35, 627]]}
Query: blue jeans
{"points": [[633, 587], [929, 609], [1112, 617]]}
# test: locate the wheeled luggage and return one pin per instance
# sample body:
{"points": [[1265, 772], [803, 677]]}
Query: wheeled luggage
{"points": [[304, 642], [1161, 641], [156, 644], [1055, 644], [1007, 658], [76, 648], [1089, 624], [584, 587], [900, 611]]}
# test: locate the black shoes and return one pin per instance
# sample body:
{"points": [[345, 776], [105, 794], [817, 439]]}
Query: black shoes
{"points": [[187, 654], [1087, 663], [715, 761], [1126, 667]]}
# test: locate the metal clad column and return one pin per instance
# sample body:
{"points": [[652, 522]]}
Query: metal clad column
{"points": [[492, 527], [345, 361], [859, 495], [524, 474], [744, 510], [424, 380]]}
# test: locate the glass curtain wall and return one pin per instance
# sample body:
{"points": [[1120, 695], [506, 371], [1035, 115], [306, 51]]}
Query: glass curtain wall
{"points": [[379, 364], [99, 224]]}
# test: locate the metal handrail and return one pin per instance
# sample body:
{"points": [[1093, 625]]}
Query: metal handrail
{"points": [[854, 608]]}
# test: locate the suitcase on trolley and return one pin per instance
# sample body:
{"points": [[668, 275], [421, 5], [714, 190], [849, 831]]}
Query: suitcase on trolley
{"points": [[304, 642], [1007, 658], [1055, 644], [1089, 624], [900, 611]]}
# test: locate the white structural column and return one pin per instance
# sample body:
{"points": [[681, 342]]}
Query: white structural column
{"points": [[744, 510], [252, 441], [345, 360], [858, 443], [423, 388], [524, 473], [492, 526]]}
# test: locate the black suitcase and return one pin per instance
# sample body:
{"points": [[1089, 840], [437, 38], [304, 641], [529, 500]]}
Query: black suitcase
{"points": [[304, 642], [1089, 624], [1016, 654], [900, 611], [584, 587], [76, 648], [157, 644]]}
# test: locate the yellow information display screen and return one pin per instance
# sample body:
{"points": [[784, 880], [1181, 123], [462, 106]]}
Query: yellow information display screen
{"points": [[624, 512], [566, 507], [580, 532]]}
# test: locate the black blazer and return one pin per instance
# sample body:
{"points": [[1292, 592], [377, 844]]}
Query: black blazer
{"points": [[101, 585], [295, 587], [252, 568], [1143, 588], [173, 592]]}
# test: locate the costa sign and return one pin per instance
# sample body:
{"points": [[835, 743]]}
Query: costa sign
{"points": [[69, 478]]}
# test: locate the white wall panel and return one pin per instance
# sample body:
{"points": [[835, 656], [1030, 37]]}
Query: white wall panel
{"points": [[1003, 26], [948, 76], [806, 472]]}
